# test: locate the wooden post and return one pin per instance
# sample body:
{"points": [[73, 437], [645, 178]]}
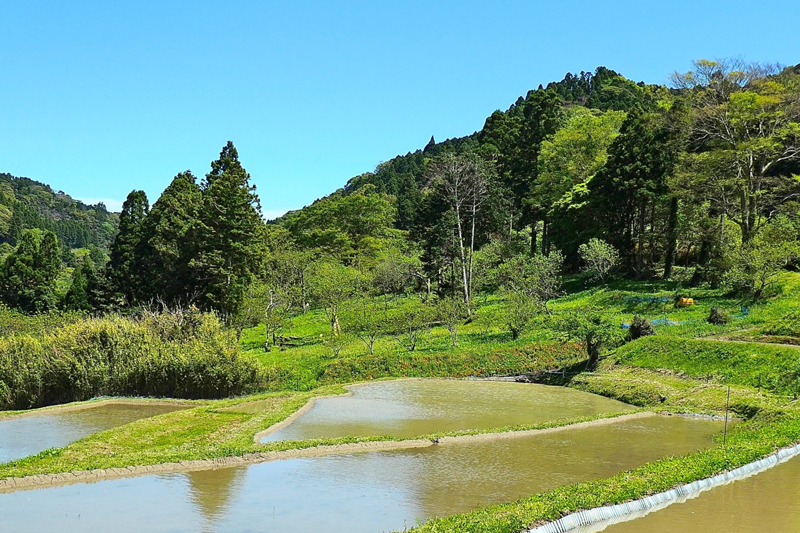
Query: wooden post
{"points": [[727, 405]]}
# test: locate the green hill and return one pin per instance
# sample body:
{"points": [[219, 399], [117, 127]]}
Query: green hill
{"points": [[27, 204]]}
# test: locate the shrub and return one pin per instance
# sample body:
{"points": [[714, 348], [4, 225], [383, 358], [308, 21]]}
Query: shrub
{"points": [[599, 259], [718, 317], [188, 356], [640, 327]]}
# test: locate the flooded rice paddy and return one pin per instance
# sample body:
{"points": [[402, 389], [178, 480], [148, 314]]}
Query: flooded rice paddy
{"points": [[769, 501], [29, 435], [411, 408], [360, 492]]}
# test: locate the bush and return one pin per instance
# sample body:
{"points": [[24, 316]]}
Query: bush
{"points": [[184, 356], [599, 259], [640, 327], [718, 317]]}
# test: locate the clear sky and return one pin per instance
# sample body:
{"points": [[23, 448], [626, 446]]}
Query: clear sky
{"points": [[99, 98]]}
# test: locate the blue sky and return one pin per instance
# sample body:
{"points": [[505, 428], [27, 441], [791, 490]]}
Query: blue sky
{"points": [[99, 98]]}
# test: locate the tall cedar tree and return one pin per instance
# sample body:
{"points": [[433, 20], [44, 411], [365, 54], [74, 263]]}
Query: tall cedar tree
{"points": [[171, 237], [127, 270], [230, 233], [542, 116], [29, 272], [632, 182], [82, 294]]}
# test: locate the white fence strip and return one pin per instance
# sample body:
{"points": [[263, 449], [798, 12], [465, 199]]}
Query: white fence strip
{"points": [[594, 520]]}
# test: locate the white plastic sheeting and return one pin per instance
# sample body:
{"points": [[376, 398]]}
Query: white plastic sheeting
{"points": [[594, 520]]}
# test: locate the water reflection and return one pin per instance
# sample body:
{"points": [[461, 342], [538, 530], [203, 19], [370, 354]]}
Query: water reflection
{"points": [[366, 492], [211, 491], [411, 408]]}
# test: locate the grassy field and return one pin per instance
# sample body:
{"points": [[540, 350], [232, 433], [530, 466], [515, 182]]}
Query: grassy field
{"points": [[686, 367]]}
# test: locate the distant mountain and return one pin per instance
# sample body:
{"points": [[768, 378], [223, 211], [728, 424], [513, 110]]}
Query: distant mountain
{"points": [[27, 204]]}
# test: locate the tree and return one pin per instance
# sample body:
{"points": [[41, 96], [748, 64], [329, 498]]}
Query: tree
{"points": [[29, 272], [536, 278], [230, 234], [390, 275], [80, 295], [408, 320], [366, 320], [287, 267], [345, 226], [599, 259], [462, 182], [126, 269], [757, 264], [627, 191], [591, 327], [540, 116], [172, 241], [330, 285], [518, 312], [263, 304], [745, 129], [574, 154], [451, 312]]}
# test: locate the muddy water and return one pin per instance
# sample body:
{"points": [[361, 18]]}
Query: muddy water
{"points": [[766, 502], [20, 437], [366, 492], [411, 408]]}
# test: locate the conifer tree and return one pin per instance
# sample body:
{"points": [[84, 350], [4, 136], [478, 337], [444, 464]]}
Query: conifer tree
{"points": [[230, 233], [170, 234], [78, 296], [29, 272], [126, 269]]}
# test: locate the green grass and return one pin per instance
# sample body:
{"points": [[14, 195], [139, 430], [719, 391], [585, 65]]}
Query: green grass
{"points": [[773, 368], [304, 372]]}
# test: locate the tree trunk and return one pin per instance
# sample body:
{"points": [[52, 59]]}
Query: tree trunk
{"points": [[751, 218], [533, 237], [335, 327], [640, 241], [471, 255], [593, 350], [672, 237], [465, 281], [702, 260], [545, 237]]}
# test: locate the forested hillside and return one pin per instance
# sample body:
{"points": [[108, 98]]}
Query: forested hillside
{"points": [[686, 174], [27, 204], [594, 175]]}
